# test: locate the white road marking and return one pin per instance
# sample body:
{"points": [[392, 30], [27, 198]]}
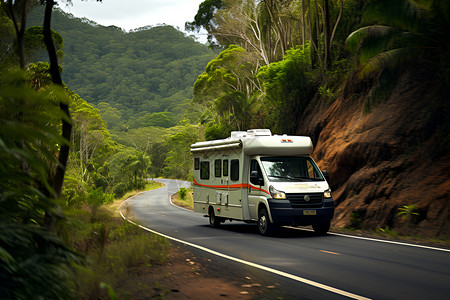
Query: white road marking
{"points": [[248, 263], [377, 240], [278, 272]]}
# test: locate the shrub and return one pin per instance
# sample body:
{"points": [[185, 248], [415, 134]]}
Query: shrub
{"points": [[182, 192]]}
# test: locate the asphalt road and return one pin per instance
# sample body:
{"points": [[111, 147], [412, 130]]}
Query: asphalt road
{"points": [[308, 266]]}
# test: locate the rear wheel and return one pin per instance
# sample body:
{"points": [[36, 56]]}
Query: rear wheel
{"points": [[321, 228], [214, 221], [264, 225]]}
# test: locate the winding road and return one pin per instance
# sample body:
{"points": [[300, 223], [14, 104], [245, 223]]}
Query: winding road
{"points": [[307, 266]]}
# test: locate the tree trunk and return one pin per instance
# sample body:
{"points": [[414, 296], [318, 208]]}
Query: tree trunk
{"points": [[326, 34], [58, 178], [19, 29]]}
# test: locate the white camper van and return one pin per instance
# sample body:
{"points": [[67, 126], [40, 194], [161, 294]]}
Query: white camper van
{"points": [[254, 176]]}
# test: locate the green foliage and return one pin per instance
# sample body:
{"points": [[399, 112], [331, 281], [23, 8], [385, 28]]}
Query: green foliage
{"points": [[407, 212], [35, 47], [182, 192], [30, 253], [7, 36], [178, 160], [226, 87], [326, 93], [158, 119], [400, 32], [214, 131], [149, 70], [205, 18], [115, 249], [112, 116], [355, 220], [289, 88], [387, 232], [96, 198]]}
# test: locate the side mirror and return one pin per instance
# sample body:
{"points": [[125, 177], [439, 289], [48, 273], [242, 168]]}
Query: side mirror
{"points": [[326, 175], [254, 178]]}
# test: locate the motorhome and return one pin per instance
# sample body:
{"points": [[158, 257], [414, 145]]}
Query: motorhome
{"points": [[255, 176]]}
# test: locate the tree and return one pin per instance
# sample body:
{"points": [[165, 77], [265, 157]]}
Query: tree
{"points": [[227, 87], [58, 178], [178, 161], [205, 18], [288, 87], [34, 44], [90, 134], [7, 35], [18, 11]]}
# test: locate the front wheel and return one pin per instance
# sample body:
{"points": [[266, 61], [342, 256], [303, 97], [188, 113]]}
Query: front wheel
{"points": [[321, 228], [264, 225]]}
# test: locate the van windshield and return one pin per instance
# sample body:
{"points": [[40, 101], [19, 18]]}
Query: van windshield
{"points": [[291, 168]]}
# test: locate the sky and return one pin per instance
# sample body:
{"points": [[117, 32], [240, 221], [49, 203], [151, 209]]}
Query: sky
{"points": [[132, 14]]}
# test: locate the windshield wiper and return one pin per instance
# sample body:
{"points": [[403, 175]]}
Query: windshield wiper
{"points": [[301, 178], [309, 179], [288, 177]]}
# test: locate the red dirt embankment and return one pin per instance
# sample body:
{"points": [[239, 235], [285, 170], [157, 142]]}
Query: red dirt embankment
{"points": [[396, 155]]}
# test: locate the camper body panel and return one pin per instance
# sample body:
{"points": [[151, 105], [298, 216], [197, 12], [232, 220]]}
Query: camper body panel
{"points": [[218, 184], [223, 183]]}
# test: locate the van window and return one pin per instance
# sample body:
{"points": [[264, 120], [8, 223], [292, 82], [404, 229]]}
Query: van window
{"points": [[204, 170], [225, 167], [312, 172], [254, 166], [291, 168], [196, 163], [218, 168], [234, 170]]}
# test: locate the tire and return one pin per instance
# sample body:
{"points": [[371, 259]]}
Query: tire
{"points": [[213, 220], [264, 225], [321, 228]]}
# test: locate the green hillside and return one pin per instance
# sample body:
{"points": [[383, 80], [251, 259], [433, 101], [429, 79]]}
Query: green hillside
{"points": [[138, 73]]}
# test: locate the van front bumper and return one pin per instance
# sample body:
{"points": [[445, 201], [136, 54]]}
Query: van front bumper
{"points": [[282, 213]]}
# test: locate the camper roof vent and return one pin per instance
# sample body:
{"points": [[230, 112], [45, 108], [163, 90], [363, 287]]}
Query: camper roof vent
{"points": [[238, 134], [259, 132]]}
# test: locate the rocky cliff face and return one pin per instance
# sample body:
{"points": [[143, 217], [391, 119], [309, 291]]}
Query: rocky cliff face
{"points": [[396, 155]]}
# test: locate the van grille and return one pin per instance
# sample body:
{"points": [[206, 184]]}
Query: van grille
{"points": [[298, 200]]}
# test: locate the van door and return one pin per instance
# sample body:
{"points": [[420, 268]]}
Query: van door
{"points": [[256, 192]]}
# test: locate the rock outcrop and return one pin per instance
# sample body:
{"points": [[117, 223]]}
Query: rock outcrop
{"points": [[395, 155]]}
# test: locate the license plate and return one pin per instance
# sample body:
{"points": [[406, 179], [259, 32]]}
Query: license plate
{"points": [[311, 212]]}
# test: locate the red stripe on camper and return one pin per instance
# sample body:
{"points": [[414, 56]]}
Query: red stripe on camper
{"points": [[231, 186]]}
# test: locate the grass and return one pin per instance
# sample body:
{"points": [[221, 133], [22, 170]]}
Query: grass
{"points": [[187, 202], [116, 251], [151, 185]]}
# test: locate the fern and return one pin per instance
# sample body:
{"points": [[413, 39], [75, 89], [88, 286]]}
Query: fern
{"points": [[34, 262]]}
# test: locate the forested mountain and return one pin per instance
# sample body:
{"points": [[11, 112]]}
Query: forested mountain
{"points": [[146, 71]]}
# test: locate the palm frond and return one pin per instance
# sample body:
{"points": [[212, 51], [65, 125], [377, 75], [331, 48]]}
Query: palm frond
{"points": [[405, 15], [370, 40], [386, 60]]}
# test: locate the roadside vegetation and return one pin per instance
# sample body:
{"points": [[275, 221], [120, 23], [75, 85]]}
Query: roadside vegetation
{"points": [[66, 153], [115, 252], [184, 198]]}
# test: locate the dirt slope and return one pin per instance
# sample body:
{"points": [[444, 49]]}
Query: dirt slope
{"points": [[396, 155]]}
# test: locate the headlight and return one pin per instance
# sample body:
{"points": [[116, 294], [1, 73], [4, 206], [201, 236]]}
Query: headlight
{"points": [[327, 194], [276, 194]]}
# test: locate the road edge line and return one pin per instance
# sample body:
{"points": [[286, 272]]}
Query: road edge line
{"points": [[251, 264]]}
